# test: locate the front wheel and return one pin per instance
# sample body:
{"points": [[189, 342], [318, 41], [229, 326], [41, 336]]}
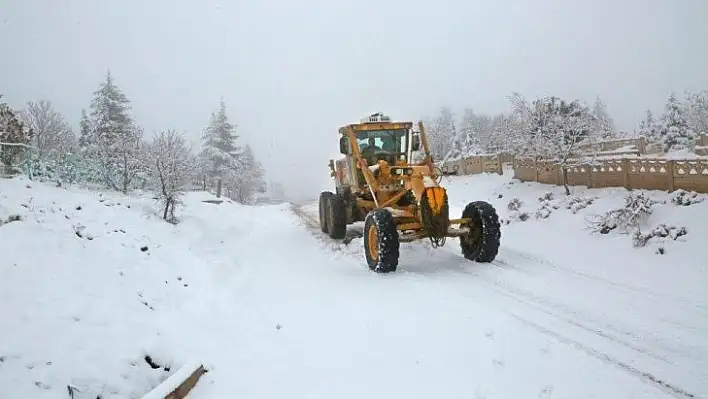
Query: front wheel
{"points": [[381, 245], [481, 244]]}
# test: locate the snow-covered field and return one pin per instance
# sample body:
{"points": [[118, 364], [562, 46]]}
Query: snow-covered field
{"points": [[90, 285]]}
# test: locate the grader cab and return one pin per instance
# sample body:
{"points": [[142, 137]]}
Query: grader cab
{"points": [[398, 200]]}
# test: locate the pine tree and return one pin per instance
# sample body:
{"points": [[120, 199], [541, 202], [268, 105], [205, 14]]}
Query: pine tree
{"points": [[473, 127], [466, 141], [219, 149], [109, 113], [115, 143], [649, 129], [604, 125], [13, 135], [85, 130], [675, 132]]}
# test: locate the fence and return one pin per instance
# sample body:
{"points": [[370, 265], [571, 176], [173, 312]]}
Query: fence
{"points": [[644, 173], [475, 165]]}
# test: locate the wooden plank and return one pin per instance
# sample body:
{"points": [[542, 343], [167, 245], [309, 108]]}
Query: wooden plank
{"points": [[178, 385]]}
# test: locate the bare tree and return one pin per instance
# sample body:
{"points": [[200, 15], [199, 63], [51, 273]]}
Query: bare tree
{"points": [[244, 182], [122, 158], [172, 165], [441, 132], [553, 129], [561, 127], [52, 132]]}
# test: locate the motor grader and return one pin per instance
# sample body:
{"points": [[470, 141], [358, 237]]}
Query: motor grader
{"points": [[398, 200]]}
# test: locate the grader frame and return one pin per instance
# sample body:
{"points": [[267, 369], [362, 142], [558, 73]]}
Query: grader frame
{"points": [[399, 201]]}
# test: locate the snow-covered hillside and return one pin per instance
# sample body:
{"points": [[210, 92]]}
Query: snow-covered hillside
{"points": [[91, 284]]}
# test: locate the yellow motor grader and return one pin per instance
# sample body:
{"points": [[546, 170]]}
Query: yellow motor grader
{"points": [[398, 200]]}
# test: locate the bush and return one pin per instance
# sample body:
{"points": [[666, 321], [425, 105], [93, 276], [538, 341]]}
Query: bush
{"points": [[640, 239], [637, 208], [686, 198]]}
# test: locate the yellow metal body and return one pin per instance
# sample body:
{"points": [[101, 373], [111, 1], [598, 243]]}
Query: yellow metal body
{"points": [[390, 183]]}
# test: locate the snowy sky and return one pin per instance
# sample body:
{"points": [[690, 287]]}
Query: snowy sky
{"points": [[292, 72]]}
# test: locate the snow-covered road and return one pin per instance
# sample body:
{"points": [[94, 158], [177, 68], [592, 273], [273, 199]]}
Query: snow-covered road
{"points": [[274, 308], [308, 319]]}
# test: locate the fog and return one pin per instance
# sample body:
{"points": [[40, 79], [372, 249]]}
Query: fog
{"points": [[291, 73]]}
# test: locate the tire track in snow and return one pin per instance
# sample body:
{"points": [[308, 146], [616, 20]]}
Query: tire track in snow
{"points": [[680, 302], [666, 344], [566, 338], [546, 308], [554, 310]]}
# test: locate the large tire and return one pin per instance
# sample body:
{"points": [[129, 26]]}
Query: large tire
{"points": [[336, 217], [324, 199], [482, 243], [381, 245]]}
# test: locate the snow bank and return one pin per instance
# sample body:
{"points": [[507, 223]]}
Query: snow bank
{"points": [[84, 278]]}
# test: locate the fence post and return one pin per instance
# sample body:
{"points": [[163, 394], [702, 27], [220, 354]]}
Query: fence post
{"points": [[500, 168], [642, 145], [670, 166], [625, 173], [218, 188], [535, 170]]}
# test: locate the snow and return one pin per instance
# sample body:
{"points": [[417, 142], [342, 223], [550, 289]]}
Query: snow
{"points": [[683, 154], [274, 308]]}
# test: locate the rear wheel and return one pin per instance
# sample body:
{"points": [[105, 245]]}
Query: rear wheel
{"points": [[481, 244], [381, 245], [336, 217], [324, 199]]}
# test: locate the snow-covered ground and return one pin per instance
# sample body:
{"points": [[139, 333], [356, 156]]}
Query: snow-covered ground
{"points": [[273, 308]]}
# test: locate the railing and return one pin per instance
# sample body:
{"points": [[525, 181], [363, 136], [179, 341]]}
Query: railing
{"points": [[477, 164], [633, 173]]}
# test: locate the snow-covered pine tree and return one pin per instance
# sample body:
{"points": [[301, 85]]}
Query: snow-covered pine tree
{"points": [[220, 154], [675, 132], [110, 117], [471, 127], [13, 134], [604, 125], [479, 131], [84, 130], [115, 144], [457, 147], [649, 129]]}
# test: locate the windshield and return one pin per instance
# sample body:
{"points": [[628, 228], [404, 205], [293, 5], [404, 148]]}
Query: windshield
{"points": [[391, 142]]}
